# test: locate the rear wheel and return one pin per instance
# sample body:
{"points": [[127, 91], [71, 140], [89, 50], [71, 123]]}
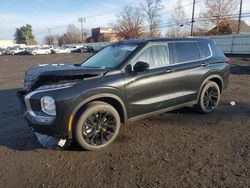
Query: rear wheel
{"points": [[209, 97], [98, 126]]}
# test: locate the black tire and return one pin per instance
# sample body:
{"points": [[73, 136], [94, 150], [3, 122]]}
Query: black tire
{"points": [[209, 97], [97, 126]]}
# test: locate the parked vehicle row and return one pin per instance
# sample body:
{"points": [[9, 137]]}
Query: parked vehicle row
{"points": [[45, 50]]}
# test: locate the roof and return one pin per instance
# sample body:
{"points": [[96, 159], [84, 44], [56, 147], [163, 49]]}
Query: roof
{"points": [[233, 23], [164, 39]]}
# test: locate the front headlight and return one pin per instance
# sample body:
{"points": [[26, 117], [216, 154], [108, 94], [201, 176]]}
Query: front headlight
{"points": [[48, 105], [56, 86]]}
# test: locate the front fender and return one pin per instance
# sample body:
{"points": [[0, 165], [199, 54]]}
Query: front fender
{"points": [[92, 96]]}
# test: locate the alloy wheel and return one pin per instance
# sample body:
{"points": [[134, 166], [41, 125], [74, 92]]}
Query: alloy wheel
{"points": [[99, 128], [211, 97]]}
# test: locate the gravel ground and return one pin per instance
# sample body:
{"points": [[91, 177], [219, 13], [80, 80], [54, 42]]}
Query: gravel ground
{"points": [[176, 149]]}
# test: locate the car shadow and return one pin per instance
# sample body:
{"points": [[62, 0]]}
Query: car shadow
{"points": [[185, 110], [187, 116], [14, 134], [240, 69]]}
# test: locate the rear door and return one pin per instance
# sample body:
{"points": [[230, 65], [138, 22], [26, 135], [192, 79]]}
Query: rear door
{"points": [[190, 65]]}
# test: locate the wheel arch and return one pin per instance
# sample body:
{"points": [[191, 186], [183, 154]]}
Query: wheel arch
{"points": [[215, 78], [111, 99]]}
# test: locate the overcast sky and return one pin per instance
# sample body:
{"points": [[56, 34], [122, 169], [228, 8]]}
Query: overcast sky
{"points": [[58, 14]]}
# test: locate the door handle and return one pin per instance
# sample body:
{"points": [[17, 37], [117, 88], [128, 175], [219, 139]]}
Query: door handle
{"points": [[204, 64], [169, 71]]}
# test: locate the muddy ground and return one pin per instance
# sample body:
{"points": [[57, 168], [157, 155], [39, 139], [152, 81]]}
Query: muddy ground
{"points": [[175, 149]]}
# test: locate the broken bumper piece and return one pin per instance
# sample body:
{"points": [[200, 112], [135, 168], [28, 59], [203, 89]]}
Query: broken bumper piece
{"points": [[52, 143]]}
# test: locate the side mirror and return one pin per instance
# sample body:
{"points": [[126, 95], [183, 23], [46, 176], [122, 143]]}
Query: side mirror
{"points": [[141, 66]]}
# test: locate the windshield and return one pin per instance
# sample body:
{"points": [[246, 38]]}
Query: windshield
{"points": [[110, 57]]}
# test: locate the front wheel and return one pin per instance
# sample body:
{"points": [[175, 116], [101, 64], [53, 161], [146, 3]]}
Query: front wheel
{"points": [[209, 97], [98, 126]]}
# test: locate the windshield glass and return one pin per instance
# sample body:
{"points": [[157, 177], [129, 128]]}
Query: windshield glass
{"points": [[110, 57]]}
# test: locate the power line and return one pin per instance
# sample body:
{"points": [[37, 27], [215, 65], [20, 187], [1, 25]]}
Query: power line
{"points": [[187, 20], [170, 10], [104, 13]]}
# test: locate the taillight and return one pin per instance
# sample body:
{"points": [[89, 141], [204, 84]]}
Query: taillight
{"points": [[228, 61]]}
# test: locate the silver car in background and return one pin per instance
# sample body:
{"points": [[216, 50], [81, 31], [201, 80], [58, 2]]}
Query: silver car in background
{"points": [[39, 51], [60, 50]]}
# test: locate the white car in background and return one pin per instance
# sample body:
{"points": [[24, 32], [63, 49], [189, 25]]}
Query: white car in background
{"points": [[60, 50], [39, 51]]}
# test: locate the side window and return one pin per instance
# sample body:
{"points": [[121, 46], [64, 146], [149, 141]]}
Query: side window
{"points": [[186, 51], [205, 49], [156, 56]]}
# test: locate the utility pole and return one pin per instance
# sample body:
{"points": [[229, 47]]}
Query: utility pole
{"points": [[49, 36], [192, 21], [239, 21], [82, 20]]}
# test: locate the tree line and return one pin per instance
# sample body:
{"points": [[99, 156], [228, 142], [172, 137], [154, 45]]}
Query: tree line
{"points": [[145, 20]]}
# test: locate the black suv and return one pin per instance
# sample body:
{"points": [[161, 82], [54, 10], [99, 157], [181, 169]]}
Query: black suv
{"points": [[125, 81]]}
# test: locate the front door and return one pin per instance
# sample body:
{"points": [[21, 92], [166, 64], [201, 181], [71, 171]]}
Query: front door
{"points": [[151, 90]]}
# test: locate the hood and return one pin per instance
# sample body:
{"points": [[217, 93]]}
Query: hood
{"points": [[35, 71], [45, 74]]}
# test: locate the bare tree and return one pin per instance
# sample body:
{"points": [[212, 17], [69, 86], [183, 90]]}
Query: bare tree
{"points": [[50, 39], [71, 36], [151, 8], [178, 17], [217, 10], [129, 23]]}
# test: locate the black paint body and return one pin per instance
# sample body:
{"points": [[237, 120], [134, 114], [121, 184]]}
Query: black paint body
{"points": [[134, 94]]}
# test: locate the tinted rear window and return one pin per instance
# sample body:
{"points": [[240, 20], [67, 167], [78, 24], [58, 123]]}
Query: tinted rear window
{"points": [[186, 51], [205, 49], [216, 50]]}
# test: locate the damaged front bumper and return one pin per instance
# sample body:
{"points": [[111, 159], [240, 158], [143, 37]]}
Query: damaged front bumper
{"points": [[50, 131], [55, 126]]}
